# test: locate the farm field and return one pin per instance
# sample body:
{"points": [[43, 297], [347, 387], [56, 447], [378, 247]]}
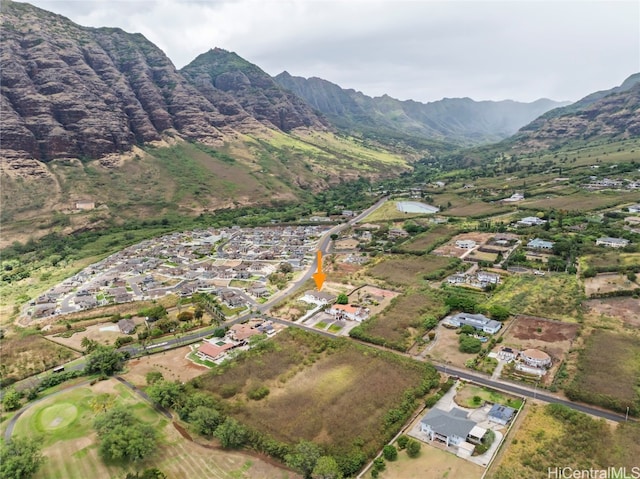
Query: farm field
{"points": [[400, 324], [409, 270], [607, 282], [425, 241], [327, 391], [554, 296], [389, 212], [553, 436], [581, 201], [608, 371], [65, 424]]}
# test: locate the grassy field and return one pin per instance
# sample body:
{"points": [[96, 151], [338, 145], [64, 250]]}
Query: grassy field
{"points": [[608, 371], [389, 212], [26, 354], [549, 439], [465, 397], [64, 424], [610, 260], [427, 240], [409, 270], [581, 200], [556, 296], [401, 323], [478, 209], [333, 392]]}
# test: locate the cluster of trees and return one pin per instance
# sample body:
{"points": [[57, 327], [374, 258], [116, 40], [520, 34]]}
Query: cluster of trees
{"points": [[20, 457], [123, 436]]}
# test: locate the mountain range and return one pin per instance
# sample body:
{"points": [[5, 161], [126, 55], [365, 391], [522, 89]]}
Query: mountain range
{"points": [[102, 114]]}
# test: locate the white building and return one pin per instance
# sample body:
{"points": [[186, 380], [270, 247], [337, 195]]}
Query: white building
{"points": [[612, 242], [466, 244]]}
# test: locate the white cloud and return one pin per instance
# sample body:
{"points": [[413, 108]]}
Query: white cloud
{"points": [[423, 50]]}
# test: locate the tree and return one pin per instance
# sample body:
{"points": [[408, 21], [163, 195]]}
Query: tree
{"points": [[499, 313], [402, 441], [153, 377], [205, 420], [20, 458], [198, 313], [185, 316], [389, 452], [285, 268], [154, 312], [304, 457], [326, 468], [231, 434], [102, 402], [11, 399], [631, 276], [123, 436], [152, 473], [469, 344], [104, 360], [166, 393], [89, 345], [342, 299], [413, 448]]}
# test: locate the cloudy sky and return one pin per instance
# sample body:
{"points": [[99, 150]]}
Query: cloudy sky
{"points": [[410, 49]]}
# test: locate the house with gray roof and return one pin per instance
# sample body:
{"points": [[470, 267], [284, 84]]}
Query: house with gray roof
{"points": [[478, 321], [451, 427], [501, 414], [612, 242], [538, 243]]}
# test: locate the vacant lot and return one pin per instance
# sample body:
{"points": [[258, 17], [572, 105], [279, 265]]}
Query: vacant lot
{"points": [[555, 296], [445, 348], [173, 365], [24, 355], [328, 391], [409, 270], [103, 333], [565, 439], [478, 209], [401, 323], [425, 241], [608, 282], [608, 371], [389, 212], [625, 309], [70, 445], [611, 260]]}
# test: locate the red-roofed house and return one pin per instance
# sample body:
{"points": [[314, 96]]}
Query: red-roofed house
{"points": [[346, 311], [213, 352], [242, 332]]}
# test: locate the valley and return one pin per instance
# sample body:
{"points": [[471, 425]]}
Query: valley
{"points": [[212, 271]]}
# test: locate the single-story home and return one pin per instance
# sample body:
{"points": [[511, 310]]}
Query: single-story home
{"points": [[538, 243], [466, 244], [213, 352], [486, 277], [535, 358], [501, 414], [242, 332], [318, 297], [126, 326], [531, 221], [612, 242], [451, 427]]}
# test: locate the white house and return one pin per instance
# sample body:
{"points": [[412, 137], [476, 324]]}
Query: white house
{"points": [[612, 242], [531, 221], [346, 311], [538, 243], [318, 297], [535, 358], [478, 321], [488, 278], [451, 427], [634, 208], [465, 244]]}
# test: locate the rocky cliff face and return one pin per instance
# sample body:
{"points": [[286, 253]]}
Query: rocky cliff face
{"points": [[456, 120], [612, 113], [71, 91], [226, 79]]}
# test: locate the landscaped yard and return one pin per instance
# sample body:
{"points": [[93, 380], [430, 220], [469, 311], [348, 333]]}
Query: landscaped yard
{"points": [[466, 395], [64, 423], [333, 392]]}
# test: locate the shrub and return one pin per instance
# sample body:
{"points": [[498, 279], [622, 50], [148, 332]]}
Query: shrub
{"points": [[413, 448], [402, 441], [469, 344], [389, 452], [258, 393]]}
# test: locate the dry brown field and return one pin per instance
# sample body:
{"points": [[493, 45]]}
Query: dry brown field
{"points": [[625, 309], [608, 282], [425, 240], [103, 333], [445, 348], [173, 365], [331, 396], [581, 201], [478, 209]]}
